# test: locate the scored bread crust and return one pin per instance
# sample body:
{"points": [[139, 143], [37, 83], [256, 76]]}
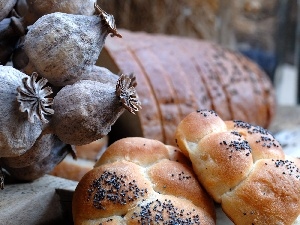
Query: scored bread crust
{"points": [[188, 74], [139, 179], [242, 167], [210, 77], [174, 73], [261, 88], [161, 85], [265, 92], [126, 61], [192, 73], [235, 82]]}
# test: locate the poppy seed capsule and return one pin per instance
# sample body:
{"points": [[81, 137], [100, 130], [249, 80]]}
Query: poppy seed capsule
{"points": [[32, 10], [6, 7], [40, 150], [17, 134], [58, 151], [61, 47], [86, 110]]}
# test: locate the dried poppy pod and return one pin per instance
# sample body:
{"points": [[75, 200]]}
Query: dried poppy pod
{"points": [[86, 110], [11, 29], [32, 10], [23, 107], [5, 7], [58, 152], [62, 47], [40, 150], [101, 74]]}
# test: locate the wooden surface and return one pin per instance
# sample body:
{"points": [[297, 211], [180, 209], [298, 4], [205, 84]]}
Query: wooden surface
{"points": [[34, 203]]}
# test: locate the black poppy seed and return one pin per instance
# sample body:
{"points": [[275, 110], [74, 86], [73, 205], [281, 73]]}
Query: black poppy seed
{"points": [[165, 212], [108, 186], [236, 133]]}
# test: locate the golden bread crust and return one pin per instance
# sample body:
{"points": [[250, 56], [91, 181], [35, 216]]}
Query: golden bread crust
{"points": [[243, 167], [134, 172], [263, 143], [220, 153], [269, 195]]}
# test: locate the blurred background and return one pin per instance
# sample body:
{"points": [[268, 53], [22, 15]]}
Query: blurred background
{"points": [[267, 31]]}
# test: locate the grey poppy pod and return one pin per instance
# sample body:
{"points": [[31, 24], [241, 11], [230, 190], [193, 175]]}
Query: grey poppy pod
{"points": [[62, 47], [5, 7], [17, 134], [40, 150], [58, 152], [32, 10], [101, 74], [86, 110]]}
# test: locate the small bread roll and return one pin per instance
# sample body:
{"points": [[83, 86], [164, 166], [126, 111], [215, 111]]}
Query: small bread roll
{"points": [[243, 168], [141, 181]]}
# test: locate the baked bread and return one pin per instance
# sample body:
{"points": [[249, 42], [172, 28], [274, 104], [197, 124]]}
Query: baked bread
{"points": [[242, 167], [86, 156], [178, 75], [141, 181]]}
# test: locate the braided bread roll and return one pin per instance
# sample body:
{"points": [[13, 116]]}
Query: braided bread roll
{"points": [[242, 167], [141, 181]]}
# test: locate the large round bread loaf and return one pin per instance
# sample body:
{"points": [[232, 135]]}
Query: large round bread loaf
{"points": [[243, 167], [141, 181], [178, 75]]}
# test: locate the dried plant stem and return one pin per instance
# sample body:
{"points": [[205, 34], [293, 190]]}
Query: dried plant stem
{"points": [[2, 175]]}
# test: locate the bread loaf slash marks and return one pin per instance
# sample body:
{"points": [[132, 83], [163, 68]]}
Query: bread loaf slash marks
{"points": [[161, 86], [234, 81], [168, 58], [211, 79], [125, 61], [194, 78]]}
